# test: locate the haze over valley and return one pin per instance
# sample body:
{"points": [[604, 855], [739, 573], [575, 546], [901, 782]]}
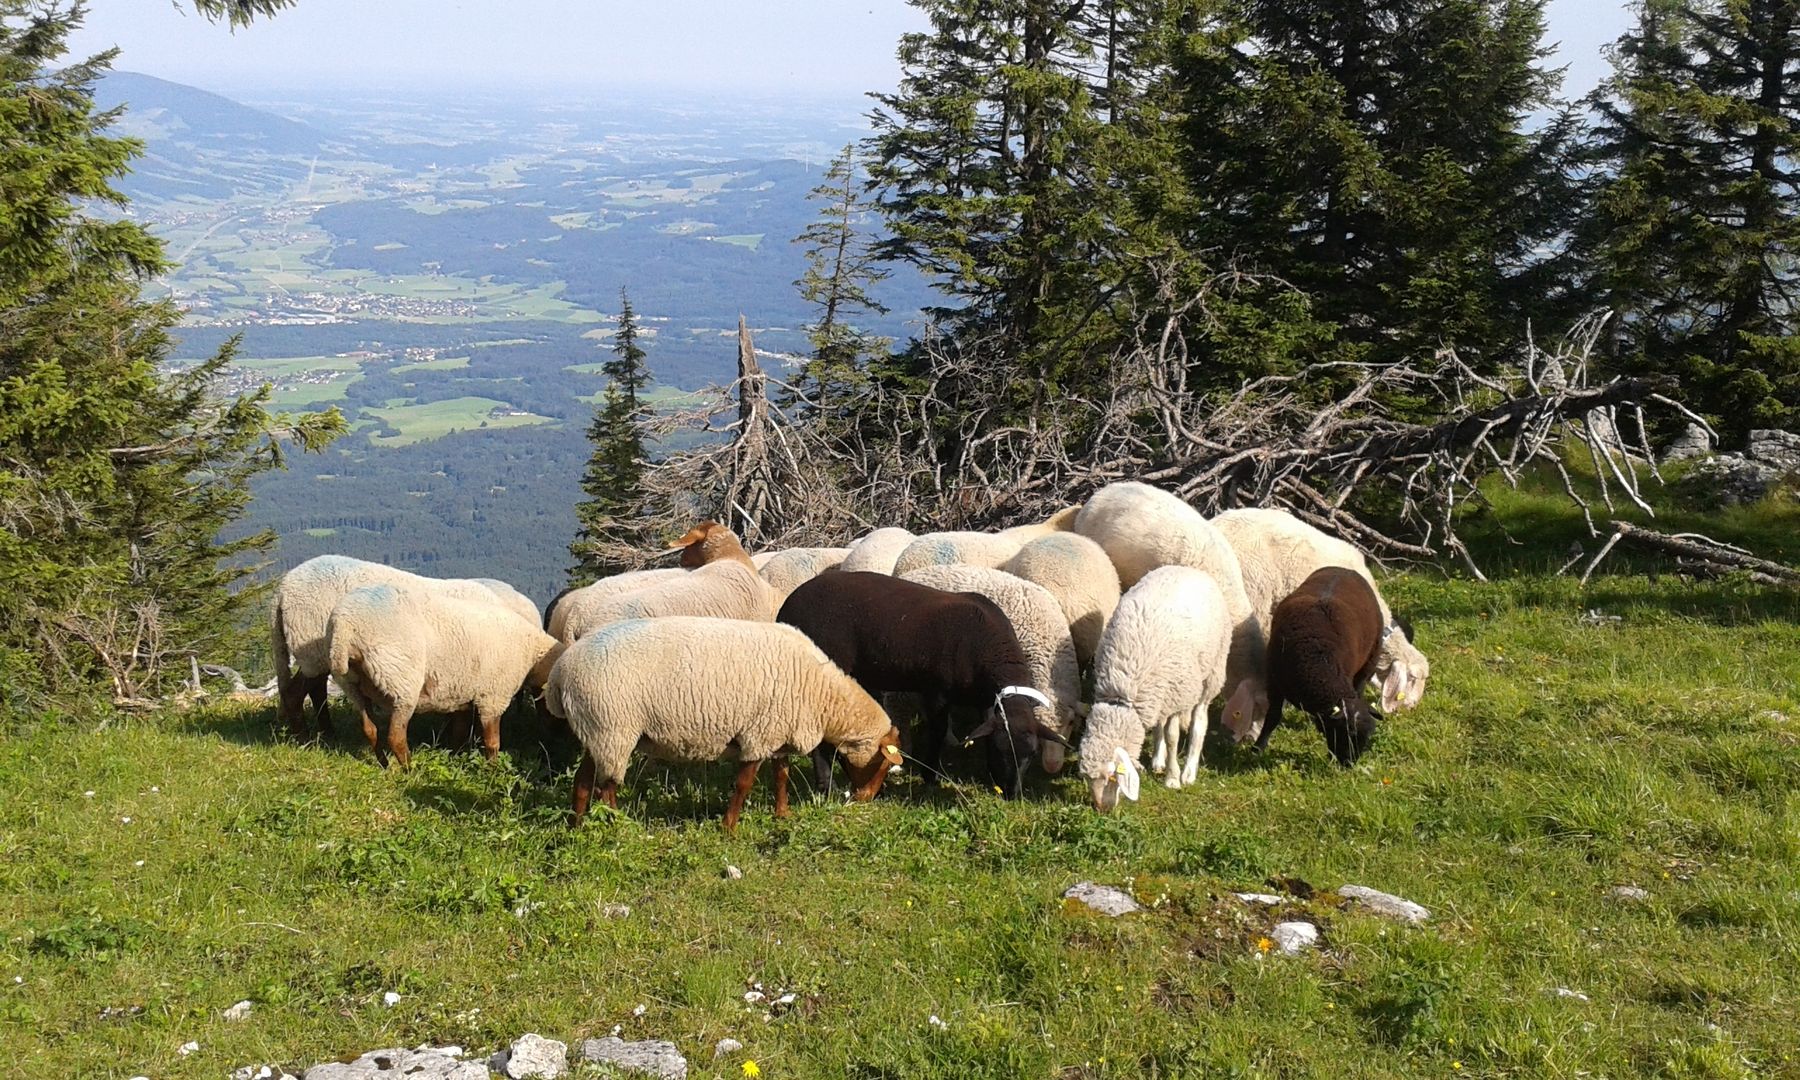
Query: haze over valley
{"points": [[447, 272]]}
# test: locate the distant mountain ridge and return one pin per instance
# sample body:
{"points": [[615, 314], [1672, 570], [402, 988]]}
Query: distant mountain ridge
{"points": [[157, 108]]}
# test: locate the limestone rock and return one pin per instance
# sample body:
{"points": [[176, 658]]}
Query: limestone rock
{"points": [[394, 1062], [1103, 898], [1384, 903], [726, 1046], [651, 1057], [1294, 938], [1693, 442], [1262, 898], [1780, 450], [532, 1055], [1628, 893], [239, 1011]]}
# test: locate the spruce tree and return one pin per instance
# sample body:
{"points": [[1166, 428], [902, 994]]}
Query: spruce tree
{"points": [[613, 471], [118, 473], [841, 268], [1697, 221], [1379, 156]]}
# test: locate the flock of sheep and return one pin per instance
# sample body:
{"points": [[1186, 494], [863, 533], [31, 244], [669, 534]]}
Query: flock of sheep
{"points": [[755, 658]]}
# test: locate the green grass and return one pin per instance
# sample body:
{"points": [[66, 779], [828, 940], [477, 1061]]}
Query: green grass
{"points": [[747, 240], [1553, 758], [420, 423], [320, 534]]}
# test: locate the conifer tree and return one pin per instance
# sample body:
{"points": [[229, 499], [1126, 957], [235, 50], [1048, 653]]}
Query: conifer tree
{"points": [[1697, 223], [841, 268], [117, 473], [617, 464], [1379, 156]]}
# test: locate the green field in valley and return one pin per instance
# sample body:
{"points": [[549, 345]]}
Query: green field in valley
{"points": [[417, 423]]}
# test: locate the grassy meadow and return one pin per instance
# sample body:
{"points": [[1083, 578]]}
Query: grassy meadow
{"points": [[157, 871]]}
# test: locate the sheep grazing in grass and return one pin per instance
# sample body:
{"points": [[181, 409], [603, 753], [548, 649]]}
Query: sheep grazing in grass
{"points": [[787, 570], [1277, 551], [1042, 633], [1162, 660], [398, 649], [303, 602], [955, 649], [1079, 576], [556, 615], [876, 552], [689, 689], [1142, 528], [1323, 644]]}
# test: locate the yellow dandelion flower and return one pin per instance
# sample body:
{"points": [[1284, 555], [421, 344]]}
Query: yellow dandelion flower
{"points": [[1456, 1064], [1263, 944], [750, 1069]]}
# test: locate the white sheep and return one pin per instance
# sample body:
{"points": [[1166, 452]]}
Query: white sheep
{"points": [[956, 549], [720, 590], [303, 602], [1043, 633], [1142, 528], [877, 551], [399, 649], [1162, 660], [602, 591], [1277, 551], [1078, 574], [694, 689], [787, 570], [513, 600], [1060, 522]]}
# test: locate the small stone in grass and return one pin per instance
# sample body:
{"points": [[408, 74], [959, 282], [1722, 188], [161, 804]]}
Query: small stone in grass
{"points": [[390, 999], [639, 1010], [616, 911], [1294, 938], [1103, 898], [726, 1046], [534, 1056], [187, 1048], [1382, 903], [651, 1057], [1629, 893], [936, 1023], [732, 873], [238, 1012], [1263, 898], [1565, 992]]}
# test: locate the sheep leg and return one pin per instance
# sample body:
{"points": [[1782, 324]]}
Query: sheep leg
{"points": [[1270, 722], [1196, 740], [398, 719], [584, 790], [781, 778], [1160, 757], [490, 731], [821, 759], [456, 736], [937, 729], [745, 778], [319, 690], [1171, 744], [291, 708]]}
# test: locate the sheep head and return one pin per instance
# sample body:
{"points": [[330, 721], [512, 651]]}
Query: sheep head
{"points": [[1014, 736], [865, 779], [1348, 729], [1246, 709], [710, 542]]}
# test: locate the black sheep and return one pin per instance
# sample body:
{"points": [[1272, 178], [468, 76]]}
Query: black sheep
{"points": [[954, 649], [1323, 640]]}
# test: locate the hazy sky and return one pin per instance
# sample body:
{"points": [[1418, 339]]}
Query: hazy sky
{"points": [[806, 47]]}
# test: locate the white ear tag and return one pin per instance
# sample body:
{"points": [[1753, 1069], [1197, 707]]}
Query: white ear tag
{"points": [[1125, 773]]}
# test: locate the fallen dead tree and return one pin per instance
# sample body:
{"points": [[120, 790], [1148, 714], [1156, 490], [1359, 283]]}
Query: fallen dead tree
{"points": [[1329, 444]]}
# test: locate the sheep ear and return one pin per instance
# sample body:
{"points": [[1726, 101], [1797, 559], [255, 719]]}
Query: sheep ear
{"points": [[688, 539], [1393, 688], [1125, 774], [1045, 731], [984, 730]]}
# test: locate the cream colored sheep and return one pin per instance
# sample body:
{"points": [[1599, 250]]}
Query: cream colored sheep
{"points": [[1277, 551], [1142, 528], [688, 689], [956, 549], [1078, 574], [398, 649], [512, 600], [1043, 633], [1162, 660], [721, 590], [604, 591], [787, 570], [876, 551], [303, 602], [1060, 522]]}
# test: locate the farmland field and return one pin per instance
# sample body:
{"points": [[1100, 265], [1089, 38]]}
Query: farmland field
{"points": [[418, 423]]}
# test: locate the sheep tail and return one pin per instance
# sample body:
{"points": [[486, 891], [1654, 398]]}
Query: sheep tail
{"points": [[278, 644], [341, 650]]}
